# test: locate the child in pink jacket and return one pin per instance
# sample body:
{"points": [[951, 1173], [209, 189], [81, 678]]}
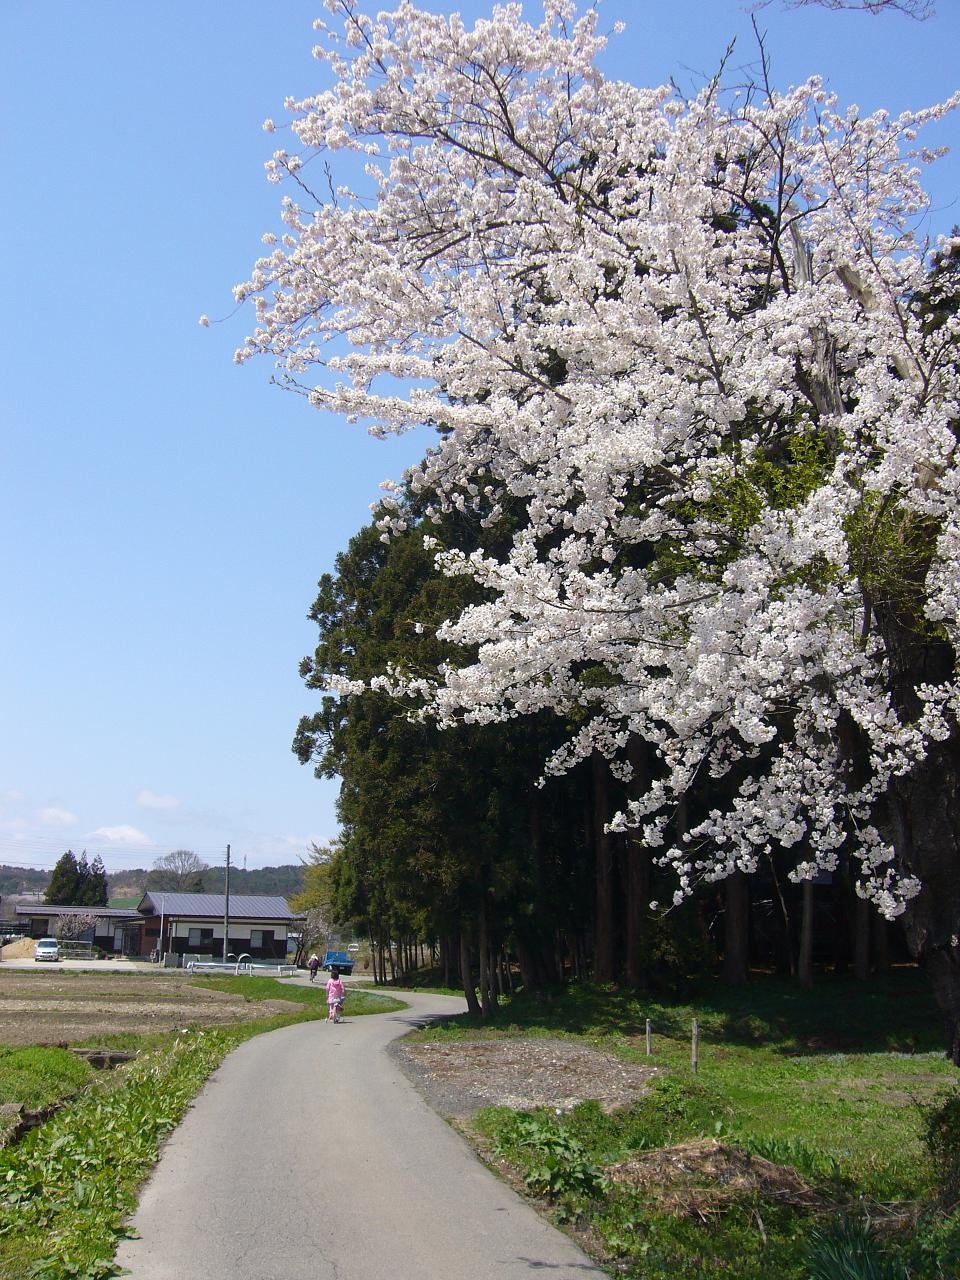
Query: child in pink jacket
{"points": [[335, 994]]}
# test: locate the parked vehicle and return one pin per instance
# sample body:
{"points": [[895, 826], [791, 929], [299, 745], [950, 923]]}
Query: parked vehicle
{"points": [[47, 949], [341, 959]]}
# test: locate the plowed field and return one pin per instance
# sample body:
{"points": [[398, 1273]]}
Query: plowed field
{"points": [[63, 1008]]}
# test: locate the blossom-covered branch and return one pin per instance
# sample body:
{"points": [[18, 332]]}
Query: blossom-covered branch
{"points": [[683, 343]]}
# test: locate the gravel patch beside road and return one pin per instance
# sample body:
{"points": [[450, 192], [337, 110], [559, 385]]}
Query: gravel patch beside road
{"points": [[459, 1077]]}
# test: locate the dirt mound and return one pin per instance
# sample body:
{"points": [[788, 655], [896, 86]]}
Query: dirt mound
{"points": [[469, 1074], [22, 950], [702, 1177]]}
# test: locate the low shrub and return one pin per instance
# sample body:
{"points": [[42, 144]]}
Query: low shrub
{"points": [[555, 1163], [940, 1133], [814, 1165], [850, 1249], [935, 1248]]}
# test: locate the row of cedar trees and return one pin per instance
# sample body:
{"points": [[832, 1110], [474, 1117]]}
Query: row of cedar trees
{"points": [[450, 836]]}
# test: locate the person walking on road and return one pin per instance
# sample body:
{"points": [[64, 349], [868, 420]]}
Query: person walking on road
{"points": [[335, 995]]}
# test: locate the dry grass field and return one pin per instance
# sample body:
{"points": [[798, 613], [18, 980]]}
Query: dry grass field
{"points": [[50, 1007]]}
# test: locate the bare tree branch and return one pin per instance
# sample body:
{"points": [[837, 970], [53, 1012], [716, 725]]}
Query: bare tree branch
{"points": [[919, 9]]}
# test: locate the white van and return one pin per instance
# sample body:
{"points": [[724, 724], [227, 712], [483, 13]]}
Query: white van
{"points": [[47, 949]]}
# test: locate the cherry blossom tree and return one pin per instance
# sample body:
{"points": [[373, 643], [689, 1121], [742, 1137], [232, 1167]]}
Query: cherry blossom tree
{"points": [[682, 342], [76, 924]]}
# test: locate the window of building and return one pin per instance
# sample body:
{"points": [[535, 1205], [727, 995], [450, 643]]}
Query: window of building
{"points": [[197, 937], [261, 938]]}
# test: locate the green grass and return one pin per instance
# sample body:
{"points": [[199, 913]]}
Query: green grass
{"points": [[66, 1189], [38, 1077], [829, 1081], [357, 1003]]}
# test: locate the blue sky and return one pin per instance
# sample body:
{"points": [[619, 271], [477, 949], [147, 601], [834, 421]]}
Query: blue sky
{"points": [[164, 514]]}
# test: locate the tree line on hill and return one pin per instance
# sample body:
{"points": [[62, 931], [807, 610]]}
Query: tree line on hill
{"points": [[15, 879], [79, 881]]}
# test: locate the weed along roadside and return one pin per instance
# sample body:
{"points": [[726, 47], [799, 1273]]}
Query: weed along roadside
{"points": [[68, 1185], [766, 1133]]}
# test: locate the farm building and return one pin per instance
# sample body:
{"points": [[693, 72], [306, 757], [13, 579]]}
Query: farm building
{"points": [[116, 931], [186, 924]]}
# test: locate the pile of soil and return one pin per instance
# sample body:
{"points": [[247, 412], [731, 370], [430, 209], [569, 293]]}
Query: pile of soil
{"points": [[460, 1077], [701, 1177], [20, 950]]}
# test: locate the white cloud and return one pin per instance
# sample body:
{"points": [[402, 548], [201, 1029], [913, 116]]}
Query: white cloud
{"points": [[151, 800], [121, 835], [54, 817]]}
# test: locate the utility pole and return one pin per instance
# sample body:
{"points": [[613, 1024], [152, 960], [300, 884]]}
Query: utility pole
{"points": [[226, 908]]}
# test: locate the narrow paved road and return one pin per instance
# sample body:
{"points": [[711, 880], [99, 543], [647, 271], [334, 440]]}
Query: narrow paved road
{"points": [[309, 1156]]}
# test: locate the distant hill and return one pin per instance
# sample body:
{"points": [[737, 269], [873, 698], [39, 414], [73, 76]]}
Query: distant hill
{"points": [[278, 881], [25, 880], [281, 881]]}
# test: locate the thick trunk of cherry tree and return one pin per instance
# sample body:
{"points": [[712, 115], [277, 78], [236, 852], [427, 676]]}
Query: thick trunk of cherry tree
{"points": [[604, 957], [535, 938], [881, 944], [926, 833], [861, 939], [636, 874], [925, 827], [736, 932], [805, 959]]}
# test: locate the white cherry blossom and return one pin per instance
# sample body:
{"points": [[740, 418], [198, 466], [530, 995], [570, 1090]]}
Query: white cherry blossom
{"points": [[618, 307]]}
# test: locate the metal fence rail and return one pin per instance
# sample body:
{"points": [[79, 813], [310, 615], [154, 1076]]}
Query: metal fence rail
{"points": [[277, 968]]}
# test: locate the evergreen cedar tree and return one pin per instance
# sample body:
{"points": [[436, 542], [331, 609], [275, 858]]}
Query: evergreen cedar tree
{"points": [[76, 883], [683, 345]]}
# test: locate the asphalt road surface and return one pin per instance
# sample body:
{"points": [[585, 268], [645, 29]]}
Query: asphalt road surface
{"points": [[309, 1156]]}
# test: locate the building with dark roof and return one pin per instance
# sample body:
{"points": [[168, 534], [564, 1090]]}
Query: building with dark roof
{"points": [[116, 931], [185, 924]]}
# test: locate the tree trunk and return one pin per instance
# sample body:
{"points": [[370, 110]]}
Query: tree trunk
{"points": [[604, 961], [736, 931], [926, 812], [861, 939], [881, 943], [840, 892], [636, 876], [485, 1001], [805, 962], [636, 861], [787, 950], [466, 975]]}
